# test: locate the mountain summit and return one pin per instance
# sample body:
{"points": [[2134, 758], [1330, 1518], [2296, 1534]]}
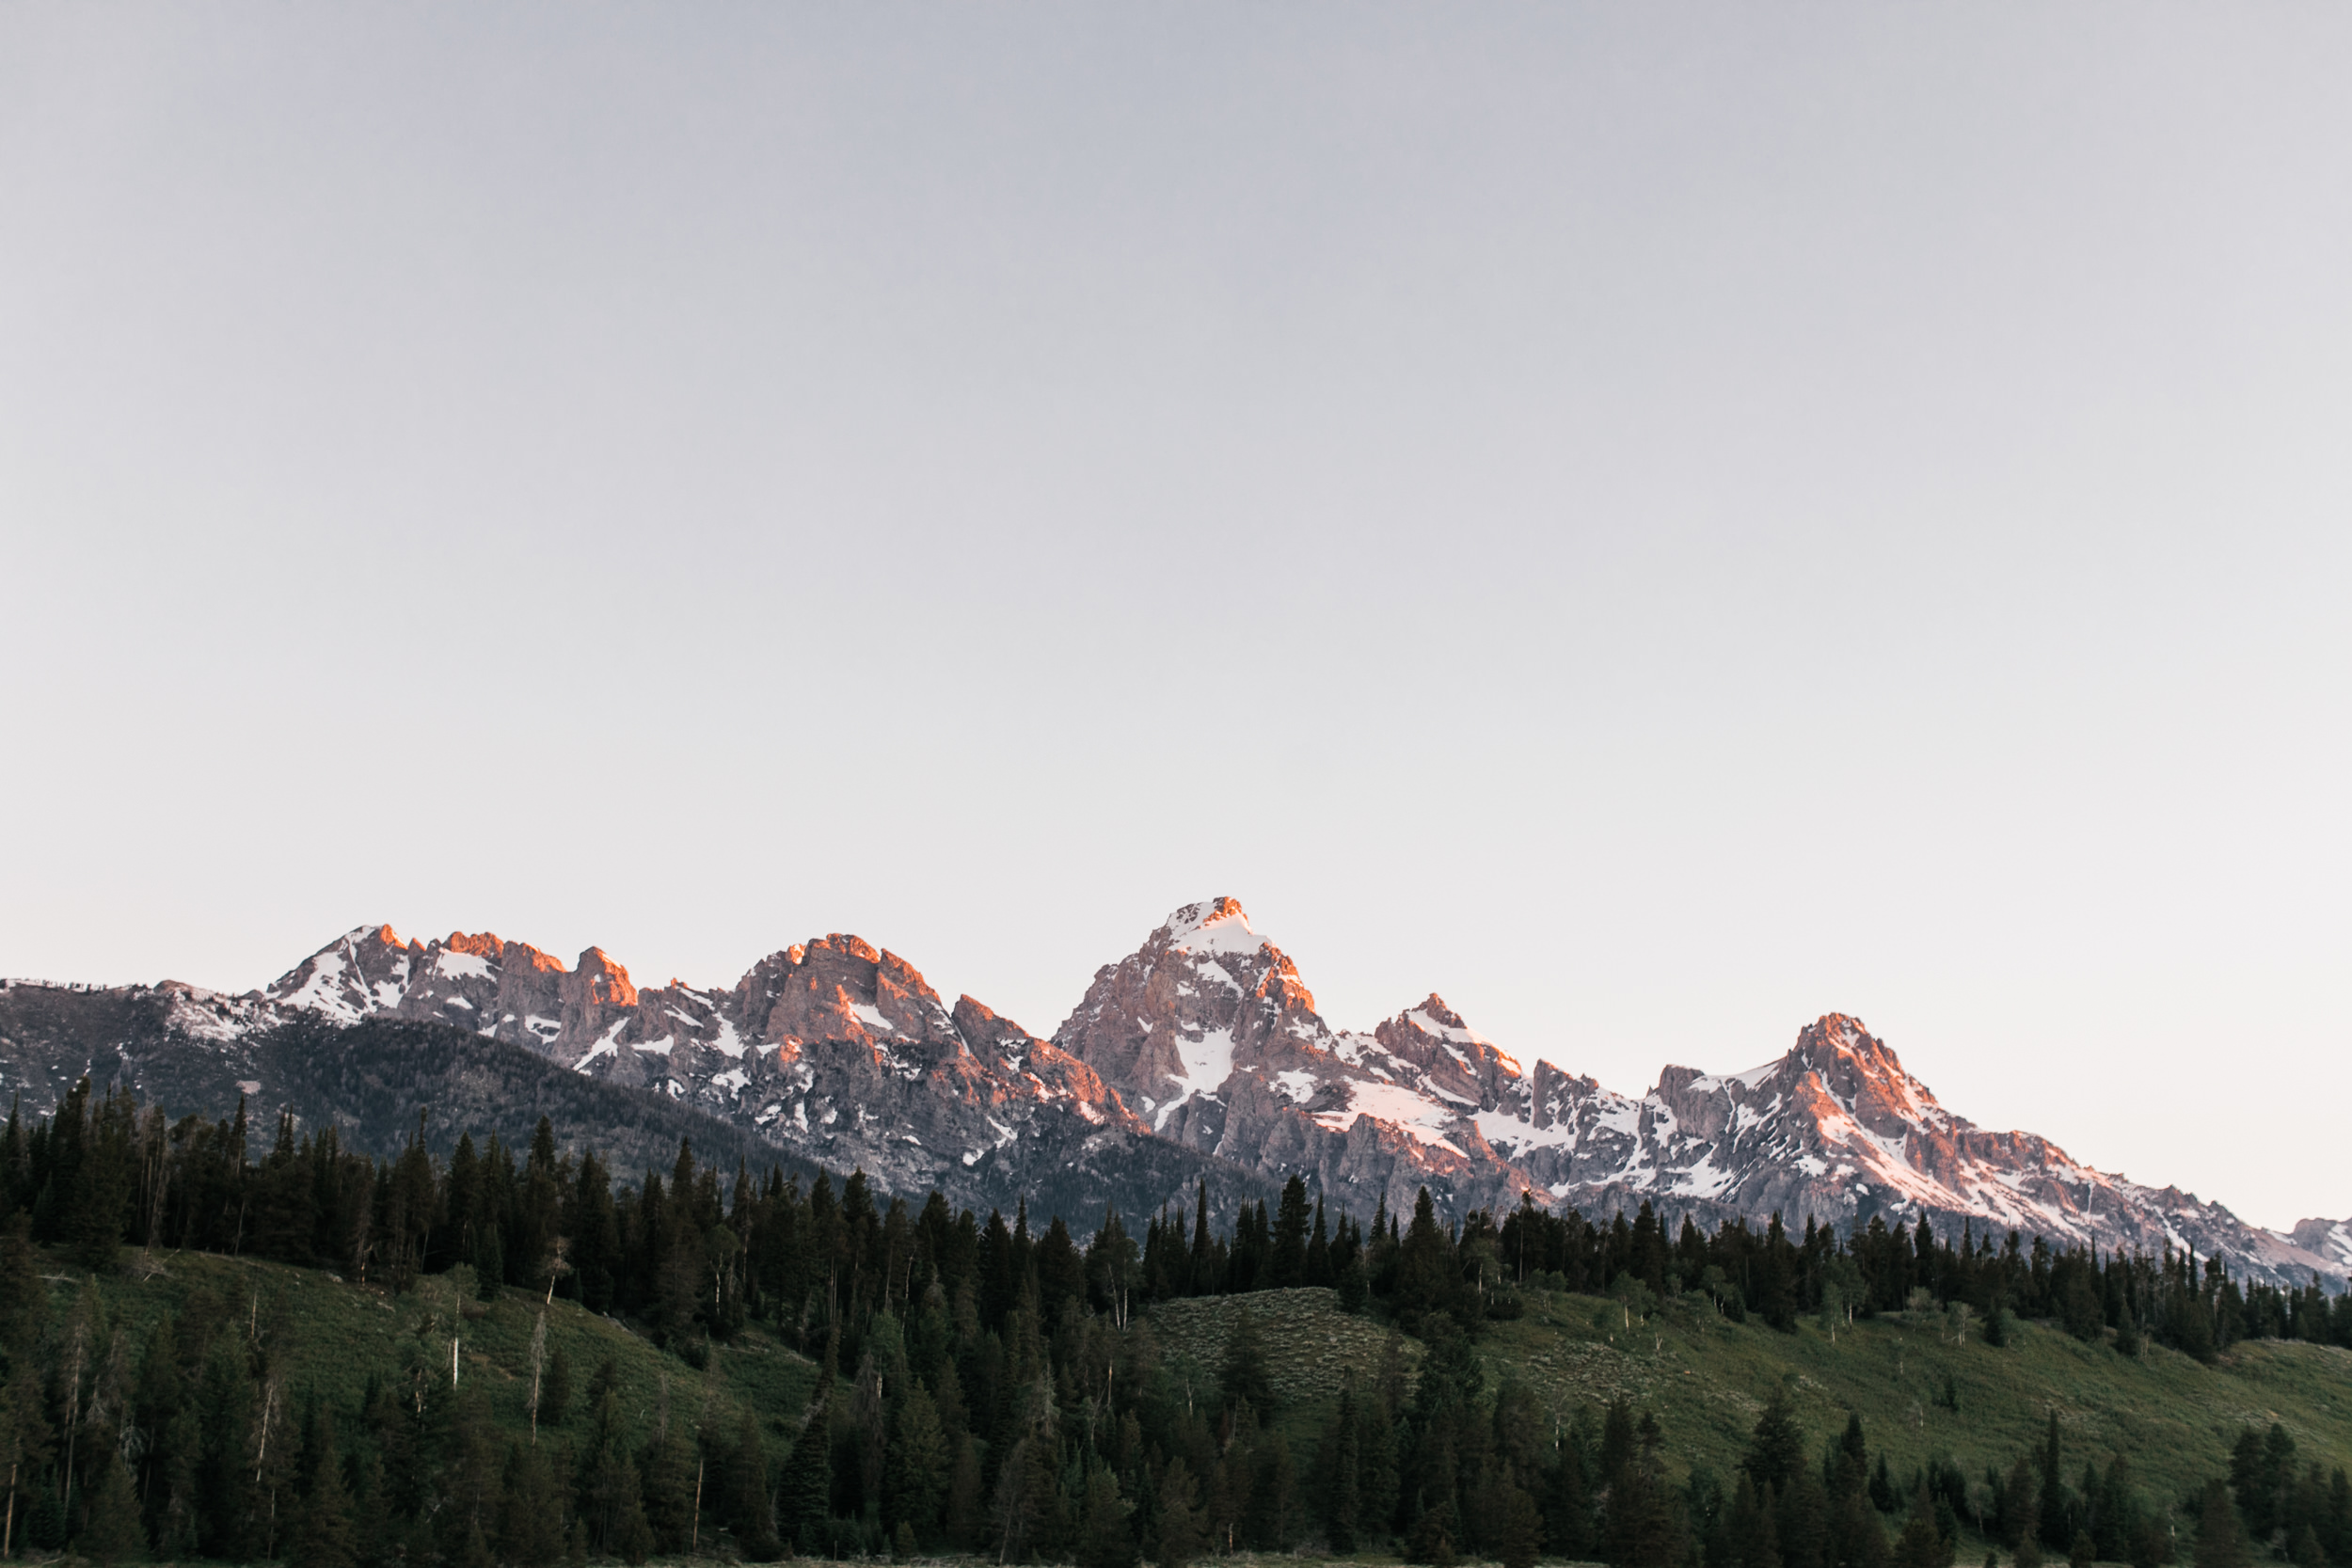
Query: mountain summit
{"points": [[1201, 1055]]}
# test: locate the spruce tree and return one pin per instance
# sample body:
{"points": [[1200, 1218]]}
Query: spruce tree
{"points": [[1921, 1544], [1183, 1529], [916, 1470], [555, 1390], [2220, 1538], [667, 1471], [326, 1538], [1568, 1501], [530, 1527], [1104, 1540], [1776, 1447], [1341, 1461], [745, 1501], [1749, 1539], [26, 1444], [1517, 1528], [805, 1502], [632, 1537], [1245, 1377], [112, 1531]]}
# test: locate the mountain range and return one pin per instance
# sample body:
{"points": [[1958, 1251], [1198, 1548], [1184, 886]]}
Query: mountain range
{"points": [[1199, 1057]]}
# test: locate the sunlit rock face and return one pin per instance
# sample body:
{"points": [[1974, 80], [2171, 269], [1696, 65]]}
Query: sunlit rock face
{"points": [[835, 1048], [1201, 1056]]}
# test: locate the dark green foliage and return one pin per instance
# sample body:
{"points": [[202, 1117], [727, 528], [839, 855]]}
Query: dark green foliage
{"points": [[531, 1531], [1244, 1377], [2220, 1537], [112, 1532], [1104, 1540], [1776, 1451], [1184, 1530], [326, 1538], [805, 1499]]}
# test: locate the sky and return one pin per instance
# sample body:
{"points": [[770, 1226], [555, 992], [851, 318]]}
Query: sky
{"points": [[1656, 523]]}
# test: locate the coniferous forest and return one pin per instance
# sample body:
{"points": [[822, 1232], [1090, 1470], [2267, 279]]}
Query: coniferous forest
{"points": [[990, 1385]]}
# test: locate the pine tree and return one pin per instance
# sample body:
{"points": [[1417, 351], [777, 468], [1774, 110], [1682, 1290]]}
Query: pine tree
{"points": [[916, 1471], [805, 1502], [112, 1532], [2220, 1540], [326, 1540], [632, 1537], [555, 1390], [1182, 1531], [1568, 1500], [744, 1497], [530, 1527], [1749, 1539], [1921, 1544], [1517, 1528], [1245, 1377], [1341, 1461], [371, 1516], [1776, 1449], [26, 1444], [1104, 1539], [23, 1296], [667, 1470], [1289, 1259]]}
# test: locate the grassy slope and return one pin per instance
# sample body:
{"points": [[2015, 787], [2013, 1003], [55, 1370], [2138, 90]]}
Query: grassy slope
{"points": [[332, 1336], [1707, 1379]]}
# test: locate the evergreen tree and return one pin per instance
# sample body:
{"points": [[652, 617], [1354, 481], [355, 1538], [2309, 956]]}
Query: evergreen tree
{"points": [[555, 1390], [1289, 1261], [112, 1532], [667, 1472], [1341, 1459], [1245, 1377], [325, 1539], [530, 1527], [2220, 1538], [1567, 1502], [1182, 1531], [1104, 1540], [1515, 1527], [745, 1500], [1921, 1544], [26, 1444], [916, 1470], [24, 1295], [1748, 1539], [805, 1502], [1776, 1447]]}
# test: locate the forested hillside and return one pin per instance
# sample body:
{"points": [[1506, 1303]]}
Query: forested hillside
{"points": [[508, 1354]]}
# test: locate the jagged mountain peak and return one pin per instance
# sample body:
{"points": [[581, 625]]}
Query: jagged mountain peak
{"points": [[1213, 926], [1863, 1073], [1206, 1036]]}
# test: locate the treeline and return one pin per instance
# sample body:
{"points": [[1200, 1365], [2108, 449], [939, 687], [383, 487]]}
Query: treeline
{"points": [[2171, 1298], [702, 1253]]}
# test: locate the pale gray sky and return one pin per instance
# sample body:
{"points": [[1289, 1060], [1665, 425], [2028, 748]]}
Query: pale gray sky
{"points": [[1656, 522]]}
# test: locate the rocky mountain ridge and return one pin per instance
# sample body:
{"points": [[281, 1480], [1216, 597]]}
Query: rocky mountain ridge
{"points": [[1202, 1054]]}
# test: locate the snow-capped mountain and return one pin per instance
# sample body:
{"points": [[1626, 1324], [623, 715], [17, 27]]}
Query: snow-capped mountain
{"points": [[1202, 1054], [1209, 1031], [831, 1048]]}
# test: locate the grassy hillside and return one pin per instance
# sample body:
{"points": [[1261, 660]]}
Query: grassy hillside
{"points": [[1707, 1379], [331, 1336]]}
